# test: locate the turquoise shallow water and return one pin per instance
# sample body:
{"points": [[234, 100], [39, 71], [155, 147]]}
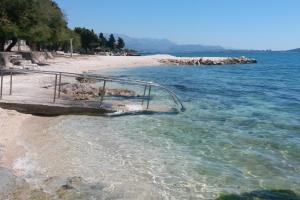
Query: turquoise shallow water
{"points": [[240, 132]]}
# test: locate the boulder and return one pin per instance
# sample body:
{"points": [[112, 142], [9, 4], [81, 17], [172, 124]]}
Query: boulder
{"points": [[37, 57], [80, 91], [85, 80], [5, 58], [86, 91]]}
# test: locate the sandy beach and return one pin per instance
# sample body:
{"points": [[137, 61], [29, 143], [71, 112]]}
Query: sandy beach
{"points": [[18, 130], [102, 63], [15, 123], [166, 100], [18, 125]]}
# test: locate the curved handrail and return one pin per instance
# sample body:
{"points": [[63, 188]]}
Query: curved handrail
{"points": [[101, 78]]}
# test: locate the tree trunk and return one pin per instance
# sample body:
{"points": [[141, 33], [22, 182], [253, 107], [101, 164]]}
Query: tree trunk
{"points": [[2, 43], [32, 45], [14, 42]]}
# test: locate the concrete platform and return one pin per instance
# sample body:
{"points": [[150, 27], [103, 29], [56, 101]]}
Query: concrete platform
{"points": [[48, 109], [80, 108]]}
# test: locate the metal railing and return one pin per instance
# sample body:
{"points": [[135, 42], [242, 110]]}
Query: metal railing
{"points": [[58, 82]]}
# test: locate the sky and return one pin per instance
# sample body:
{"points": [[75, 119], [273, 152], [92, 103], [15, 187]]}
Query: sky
{"points": [[238, 24]]}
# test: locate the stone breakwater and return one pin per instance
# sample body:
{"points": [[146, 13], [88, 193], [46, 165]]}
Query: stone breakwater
{"points": [[207, 61]]}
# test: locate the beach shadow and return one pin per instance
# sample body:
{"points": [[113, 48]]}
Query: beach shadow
{"points": [[262, 195]]}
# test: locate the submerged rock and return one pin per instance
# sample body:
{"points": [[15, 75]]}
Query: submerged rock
{"points": [[120, 92], [53, 188], [13, 187]]}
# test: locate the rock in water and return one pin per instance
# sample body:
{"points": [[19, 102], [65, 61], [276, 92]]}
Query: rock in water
{"points": [[85, 91], [82, 91], [120, 92], [208, 61]]}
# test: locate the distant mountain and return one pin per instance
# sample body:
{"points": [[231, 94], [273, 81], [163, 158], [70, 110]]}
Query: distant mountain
{"points": [[147, 45], [294, 50]]}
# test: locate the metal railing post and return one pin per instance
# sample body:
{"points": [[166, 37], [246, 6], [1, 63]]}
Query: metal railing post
{"points": [[144, 95], [1, 86], [59, 85], [10, 84], [149, 97], [55, 86], [103, 92]]}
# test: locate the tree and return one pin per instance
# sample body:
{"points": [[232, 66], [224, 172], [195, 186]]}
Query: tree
{"points": [[121, 43], [40, 22], [11, 17], [102, 40], [89, 39], [111, 42]]}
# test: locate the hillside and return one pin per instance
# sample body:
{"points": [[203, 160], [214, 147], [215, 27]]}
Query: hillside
{"points": [[147, 45], [294, 50]]}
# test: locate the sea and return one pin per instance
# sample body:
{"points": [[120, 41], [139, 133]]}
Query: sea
{"points": [[239, 134]]}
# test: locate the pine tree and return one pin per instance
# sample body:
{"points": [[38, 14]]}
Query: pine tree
{"points": [[111, 42], [89, 40], [102, 40], [121, 43]]}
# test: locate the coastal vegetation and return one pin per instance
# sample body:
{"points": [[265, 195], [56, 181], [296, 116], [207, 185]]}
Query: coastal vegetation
{"points": [[92, 42], [40, 22], [44, 27]]}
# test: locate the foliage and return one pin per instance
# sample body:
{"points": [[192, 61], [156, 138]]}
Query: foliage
{"points": [[89, 39], [111, 42], [44, 27], [90, 42], [102, 40], [121, 43], [40, 22]]}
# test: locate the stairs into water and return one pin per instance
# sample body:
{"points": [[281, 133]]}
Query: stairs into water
{"points": [[43, 94]]}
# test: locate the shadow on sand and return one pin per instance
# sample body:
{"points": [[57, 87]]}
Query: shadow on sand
{"points": [[262, 195]]}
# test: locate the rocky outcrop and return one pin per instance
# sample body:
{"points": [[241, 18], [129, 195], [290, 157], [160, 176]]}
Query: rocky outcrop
{"points": [[5, 58], [23, 60], [208, 61], [81, 91], [19, 62], [37, 57], [86, 80], [85, 91]]}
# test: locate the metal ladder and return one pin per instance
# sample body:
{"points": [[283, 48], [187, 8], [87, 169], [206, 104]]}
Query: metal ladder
{"points": [[148, 86]]}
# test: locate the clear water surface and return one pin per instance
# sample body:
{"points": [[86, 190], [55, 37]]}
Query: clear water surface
{"points": [[240, 132]]}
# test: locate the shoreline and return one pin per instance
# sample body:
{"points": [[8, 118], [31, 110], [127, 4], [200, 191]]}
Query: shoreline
{"points": [[97, 63], [78, 64], [22, 129], [15, 123]]}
